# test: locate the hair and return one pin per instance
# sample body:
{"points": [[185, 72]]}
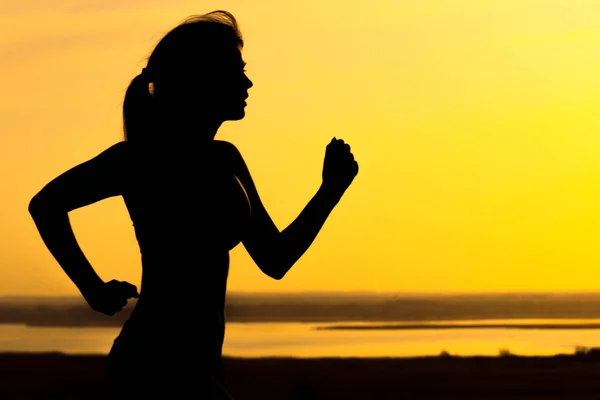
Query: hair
{"points": [[191, 48]]}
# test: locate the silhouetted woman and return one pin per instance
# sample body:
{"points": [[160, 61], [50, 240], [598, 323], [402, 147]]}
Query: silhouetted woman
{"points": [[191, 200]]}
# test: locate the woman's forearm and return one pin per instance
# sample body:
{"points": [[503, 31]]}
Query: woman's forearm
{"points": [[57, 233], [294, 240]]}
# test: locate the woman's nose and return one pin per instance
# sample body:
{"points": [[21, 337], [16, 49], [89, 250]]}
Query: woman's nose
{"points": [[249, 83]]}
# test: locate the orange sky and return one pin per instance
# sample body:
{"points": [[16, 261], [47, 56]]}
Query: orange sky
{"points": [[475, 124]]}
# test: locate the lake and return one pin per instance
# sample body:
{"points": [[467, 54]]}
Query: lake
{"points": [[303, 340]]}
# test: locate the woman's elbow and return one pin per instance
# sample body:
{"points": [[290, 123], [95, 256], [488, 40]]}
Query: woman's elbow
{"points": [[277, 276], [40, 206], [35, 205], [272, 263], [273, 271]]}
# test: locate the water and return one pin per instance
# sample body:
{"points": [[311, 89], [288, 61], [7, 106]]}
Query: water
{"points": [[302, 340]]}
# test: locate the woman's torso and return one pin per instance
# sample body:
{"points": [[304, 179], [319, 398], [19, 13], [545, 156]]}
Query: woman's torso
{"points": [[188, 210]]}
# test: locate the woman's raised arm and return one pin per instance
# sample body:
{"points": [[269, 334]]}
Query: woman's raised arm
{"points": [[276, 252]]}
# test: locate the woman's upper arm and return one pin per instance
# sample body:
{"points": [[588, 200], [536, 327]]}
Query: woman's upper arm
{"points": [[86, 183], [262, 229]]}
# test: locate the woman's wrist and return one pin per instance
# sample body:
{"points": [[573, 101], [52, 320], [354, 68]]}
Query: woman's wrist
{"points": [[329, 194]]}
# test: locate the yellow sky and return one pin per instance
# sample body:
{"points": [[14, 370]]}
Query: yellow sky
{"points": [[475, 124]]}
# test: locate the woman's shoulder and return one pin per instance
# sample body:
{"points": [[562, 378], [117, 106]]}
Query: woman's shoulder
{"points": [[119, 149], [227, 149], [123, 153], [223, 144], [116, 156]]}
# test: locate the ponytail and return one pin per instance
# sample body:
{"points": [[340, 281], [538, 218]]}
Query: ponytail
{"points": [[138, 109]]}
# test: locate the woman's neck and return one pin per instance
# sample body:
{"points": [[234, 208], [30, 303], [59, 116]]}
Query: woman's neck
{"points": [[195, 130]]}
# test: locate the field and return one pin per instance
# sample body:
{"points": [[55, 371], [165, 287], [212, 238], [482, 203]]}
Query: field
{"points": [[57, 376]]}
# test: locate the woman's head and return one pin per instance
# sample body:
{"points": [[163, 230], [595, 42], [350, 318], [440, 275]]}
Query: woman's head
{"points": [[195, 72]]}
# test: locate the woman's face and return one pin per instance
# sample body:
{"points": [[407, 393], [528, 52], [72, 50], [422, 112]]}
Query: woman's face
{"points": [[216, 88], [229, 88], [220, 90]]}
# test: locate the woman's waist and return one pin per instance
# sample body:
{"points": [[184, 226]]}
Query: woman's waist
{"points": [[182, 255], [176, 324], [183, 290], [181, 305]]}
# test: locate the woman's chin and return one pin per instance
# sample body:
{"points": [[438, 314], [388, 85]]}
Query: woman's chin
{"points": [[237, 115]]}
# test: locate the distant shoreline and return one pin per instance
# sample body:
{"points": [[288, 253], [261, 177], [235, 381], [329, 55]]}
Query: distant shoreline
{"points": [[348, 309], [345, 325], [456, 326]]}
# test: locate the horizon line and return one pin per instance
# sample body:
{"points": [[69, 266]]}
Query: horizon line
{"points": [[355, 292]]}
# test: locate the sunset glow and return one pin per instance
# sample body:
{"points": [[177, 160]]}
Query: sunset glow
{"points": [[475, 124]]}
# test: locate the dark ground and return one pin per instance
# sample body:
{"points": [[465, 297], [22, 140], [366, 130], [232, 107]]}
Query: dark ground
{"points": [[56, 376]]}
